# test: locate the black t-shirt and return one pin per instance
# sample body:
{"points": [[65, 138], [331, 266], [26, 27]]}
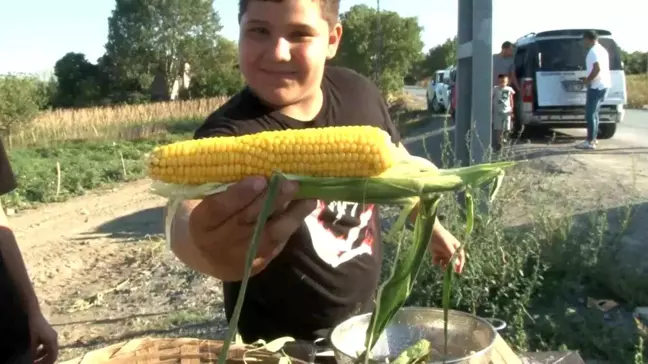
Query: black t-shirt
{"points": [[13, 319], [330, 267]]}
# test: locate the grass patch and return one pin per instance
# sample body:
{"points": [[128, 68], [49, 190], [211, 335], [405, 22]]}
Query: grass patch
{"points": [[84, 165], [637, 90]]}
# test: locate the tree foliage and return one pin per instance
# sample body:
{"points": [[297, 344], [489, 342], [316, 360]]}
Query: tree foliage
{"points": [[635, 62], [21, 97], [437, 58], [220, 76], [387, 58], [79, 82], [153, 39], [157, 37]]}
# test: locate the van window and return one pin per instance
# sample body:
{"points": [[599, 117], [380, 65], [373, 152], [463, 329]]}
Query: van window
{"points": [[568, 54]]}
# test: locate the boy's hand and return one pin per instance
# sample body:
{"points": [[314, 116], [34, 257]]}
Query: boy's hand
{"points": [[442, 247], [222, 224]]}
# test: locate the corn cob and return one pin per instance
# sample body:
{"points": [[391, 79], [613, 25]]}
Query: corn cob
{"points": [[348, 151]]}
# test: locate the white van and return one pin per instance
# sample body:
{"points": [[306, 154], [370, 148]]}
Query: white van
{"points": [[438, 91], [549, 66]]}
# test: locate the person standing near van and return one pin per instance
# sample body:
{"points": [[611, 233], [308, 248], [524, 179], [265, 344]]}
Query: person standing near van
{"points": [[503, 64], [598, 81]]}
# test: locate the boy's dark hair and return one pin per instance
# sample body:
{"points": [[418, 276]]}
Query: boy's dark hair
{"points": [[507, 45], [502, 75], [330, 9], [591, 35]]}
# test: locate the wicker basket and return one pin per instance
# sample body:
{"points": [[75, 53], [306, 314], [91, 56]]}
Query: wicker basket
{"points": [[170, 351]]}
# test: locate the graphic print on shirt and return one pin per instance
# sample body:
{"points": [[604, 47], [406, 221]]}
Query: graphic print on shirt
{"points": [[341, 231]]}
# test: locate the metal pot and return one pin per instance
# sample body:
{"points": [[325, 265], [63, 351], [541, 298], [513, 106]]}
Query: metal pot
{"points": [[470, 338]]}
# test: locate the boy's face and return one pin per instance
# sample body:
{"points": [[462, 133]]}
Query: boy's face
{"points": [[503, 81], [283, 47]]}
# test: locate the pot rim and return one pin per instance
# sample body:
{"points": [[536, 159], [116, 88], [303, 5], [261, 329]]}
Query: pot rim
{"points": [[476, 354]]}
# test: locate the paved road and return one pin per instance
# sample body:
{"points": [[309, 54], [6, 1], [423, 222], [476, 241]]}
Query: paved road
{"points": [[428, 138], [415, 91]]}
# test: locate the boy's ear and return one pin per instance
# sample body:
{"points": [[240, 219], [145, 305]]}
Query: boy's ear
{"points": [[335, 36]]}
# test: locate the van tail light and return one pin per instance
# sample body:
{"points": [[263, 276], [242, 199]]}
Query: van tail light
{"points": [[527, 90]]}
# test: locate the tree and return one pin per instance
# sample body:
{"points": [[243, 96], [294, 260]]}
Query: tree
{"points": [[157, 37], [395, 51], [20, 100], [635, 62], [79, 82], [221, 77], [439, 57]]}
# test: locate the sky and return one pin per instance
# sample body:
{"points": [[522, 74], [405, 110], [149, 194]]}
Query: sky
{"points": [[34, 34]]}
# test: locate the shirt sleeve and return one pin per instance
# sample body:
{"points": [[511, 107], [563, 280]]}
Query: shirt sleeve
{"points": [[7, 177]]}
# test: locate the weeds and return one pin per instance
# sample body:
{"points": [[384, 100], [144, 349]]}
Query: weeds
{"points": [[540, 270]]}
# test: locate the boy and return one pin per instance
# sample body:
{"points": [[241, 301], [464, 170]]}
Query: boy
{"points": [[319, 261], [502, 110], [23, 326]]}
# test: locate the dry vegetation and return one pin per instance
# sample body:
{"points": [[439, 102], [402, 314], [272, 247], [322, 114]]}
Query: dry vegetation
{"points": [[638, 90], [116, 122]]}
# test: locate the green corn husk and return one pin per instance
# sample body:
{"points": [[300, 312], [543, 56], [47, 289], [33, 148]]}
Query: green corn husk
{"points": [[413, 181]]}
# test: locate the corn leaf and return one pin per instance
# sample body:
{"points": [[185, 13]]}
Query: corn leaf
{"points": [[392, 294], [266, 210]]}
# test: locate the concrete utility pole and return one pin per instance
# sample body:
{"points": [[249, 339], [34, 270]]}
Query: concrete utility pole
{"points": [[474, 81]]}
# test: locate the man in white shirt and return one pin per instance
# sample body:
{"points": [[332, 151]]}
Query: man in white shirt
{"points": [[598, 81]]}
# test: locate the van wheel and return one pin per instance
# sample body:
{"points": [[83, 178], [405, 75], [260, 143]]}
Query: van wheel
{"points": [[606, 131]]}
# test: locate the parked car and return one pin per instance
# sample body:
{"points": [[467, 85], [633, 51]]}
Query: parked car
{"points": [[438, 91], [549, 66]]}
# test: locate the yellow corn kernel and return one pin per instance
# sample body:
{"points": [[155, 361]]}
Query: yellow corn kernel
{"points": [[345, 151]]}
